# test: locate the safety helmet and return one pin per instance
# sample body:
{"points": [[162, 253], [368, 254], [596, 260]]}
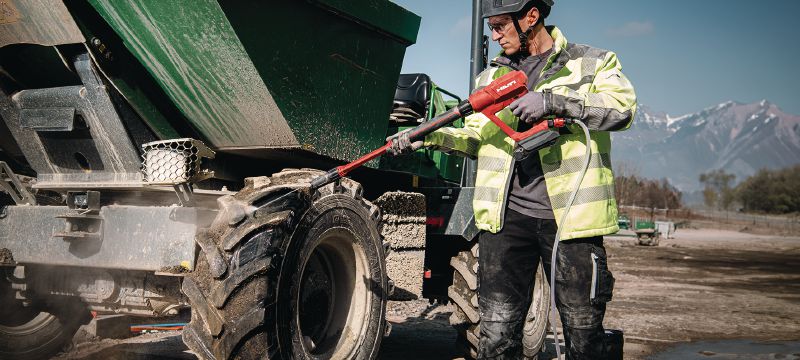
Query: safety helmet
{"points": [[499, 7], [491, 8]]}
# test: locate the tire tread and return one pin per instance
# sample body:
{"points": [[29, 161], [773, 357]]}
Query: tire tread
{"points": [[232, 301]]}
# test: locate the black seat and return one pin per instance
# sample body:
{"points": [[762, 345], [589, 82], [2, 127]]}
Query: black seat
{"points": [[412, 97]]}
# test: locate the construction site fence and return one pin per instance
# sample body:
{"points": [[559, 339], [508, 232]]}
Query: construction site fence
{"points": [[778, 224]]}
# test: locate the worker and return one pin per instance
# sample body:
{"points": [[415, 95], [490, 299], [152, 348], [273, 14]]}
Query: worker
{"points": [[519, 201]]}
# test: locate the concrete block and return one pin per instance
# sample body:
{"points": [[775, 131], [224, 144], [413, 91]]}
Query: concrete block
{"points": [[406, 270], [404, 235], [403, 219], [403, 204]]}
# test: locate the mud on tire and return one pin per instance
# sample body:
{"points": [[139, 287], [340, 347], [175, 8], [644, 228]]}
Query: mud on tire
{"points": [[295, 276], [466, 316]]}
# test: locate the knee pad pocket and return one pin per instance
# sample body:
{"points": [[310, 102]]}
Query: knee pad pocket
{"points": [[503, 312], [583, 317]]}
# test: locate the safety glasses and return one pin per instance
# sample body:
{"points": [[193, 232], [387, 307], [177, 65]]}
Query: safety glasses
{"points": [[500, 28]]}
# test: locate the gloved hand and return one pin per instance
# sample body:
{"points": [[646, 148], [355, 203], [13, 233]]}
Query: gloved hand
{"points": [[529, 108], [401, 144]]}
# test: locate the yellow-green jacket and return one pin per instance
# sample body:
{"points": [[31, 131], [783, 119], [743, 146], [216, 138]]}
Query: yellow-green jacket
{"points": [[579, 82]]}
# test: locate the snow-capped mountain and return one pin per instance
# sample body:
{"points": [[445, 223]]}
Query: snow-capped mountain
{"points": [[739, 138]]}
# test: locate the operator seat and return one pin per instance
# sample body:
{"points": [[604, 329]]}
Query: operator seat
{"points": [[411, 99]]}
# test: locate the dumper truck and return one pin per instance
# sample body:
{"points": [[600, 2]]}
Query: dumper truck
{"points": [[155, 156]]}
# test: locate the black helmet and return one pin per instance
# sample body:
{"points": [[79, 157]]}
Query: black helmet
{"points": [[491, 8], [500, 7]]}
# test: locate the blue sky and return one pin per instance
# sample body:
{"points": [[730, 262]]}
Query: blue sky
{"points": [[681, 56]]}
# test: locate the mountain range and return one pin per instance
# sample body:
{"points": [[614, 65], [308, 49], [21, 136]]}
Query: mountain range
{"points": [[738, 138]]}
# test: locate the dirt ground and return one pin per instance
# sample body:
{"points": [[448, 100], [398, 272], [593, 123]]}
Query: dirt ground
{"points": [[705, 294], [705, 285]]}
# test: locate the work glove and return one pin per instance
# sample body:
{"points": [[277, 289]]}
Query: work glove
{"points": [[529, 108], [401, 144]]}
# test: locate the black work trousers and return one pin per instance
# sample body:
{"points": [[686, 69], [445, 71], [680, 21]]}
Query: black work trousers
{"points": [[507, 266]]}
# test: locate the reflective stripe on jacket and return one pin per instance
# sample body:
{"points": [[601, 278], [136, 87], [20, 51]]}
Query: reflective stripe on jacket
{"points": [[579, 82]]}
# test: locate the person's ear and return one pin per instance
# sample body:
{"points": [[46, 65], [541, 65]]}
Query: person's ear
{"points": [[533, 15]]}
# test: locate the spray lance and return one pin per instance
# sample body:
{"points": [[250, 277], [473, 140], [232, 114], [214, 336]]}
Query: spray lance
{"points": [[490, 100]]}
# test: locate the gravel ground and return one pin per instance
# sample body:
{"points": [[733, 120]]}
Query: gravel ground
{"points": [[687, 298]]}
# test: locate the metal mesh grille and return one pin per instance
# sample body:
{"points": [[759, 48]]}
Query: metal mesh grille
{"points": [[171, 161]]}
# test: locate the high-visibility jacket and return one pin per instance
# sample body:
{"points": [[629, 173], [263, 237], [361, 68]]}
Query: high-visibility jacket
{"points": [[579, 82]]}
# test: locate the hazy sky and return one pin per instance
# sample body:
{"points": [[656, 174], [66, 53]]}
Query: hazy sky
{"points": [[681, 56]]}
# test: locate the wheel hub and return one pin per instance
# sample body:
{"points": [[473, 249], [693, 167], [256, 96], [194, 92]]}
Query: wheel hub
{"points": [[333, 295]]}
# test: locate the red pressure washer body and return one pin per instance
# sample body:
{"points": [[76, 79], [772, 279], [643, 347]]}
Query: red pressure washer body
{"points": [[489, 100]]}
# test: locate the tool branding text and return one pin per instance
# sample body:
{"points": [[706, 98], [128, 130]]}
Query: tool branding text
{"points": [[506, 86]]}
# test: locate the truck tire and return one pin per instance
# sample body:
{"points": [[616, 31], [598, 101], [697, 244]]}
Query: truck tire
{"points": [[31, 332], [466, 316], [286, 274]]}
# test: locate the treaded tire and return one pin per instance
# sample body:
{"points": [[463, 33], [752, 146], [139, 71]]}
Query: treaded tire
{"points": [[276, 261], [26, 333], [466, 315]]}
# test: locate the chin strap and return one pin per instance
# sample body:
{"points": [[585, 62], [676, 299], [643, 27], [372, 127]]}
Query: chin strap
{"points": [[523, 35]]}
